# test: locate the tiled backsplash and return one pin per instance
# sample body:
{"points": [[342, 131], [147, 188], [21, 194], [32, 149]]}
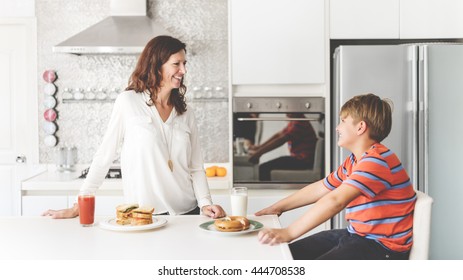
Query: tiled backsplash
{"points": [[201, 24]]}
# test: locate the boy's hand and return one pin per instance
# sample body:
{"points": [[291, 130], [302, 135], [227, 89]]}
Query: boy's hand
{"points": [[273, 236], [269, 211]]}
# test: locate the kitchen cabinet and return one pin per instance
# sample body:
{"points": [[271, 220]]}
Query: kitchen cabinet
{"points": [[396, 19], [18, 9], [36, 205], [56, 190], [364, 19], [105, 205], [277, 42], [431, 19]]}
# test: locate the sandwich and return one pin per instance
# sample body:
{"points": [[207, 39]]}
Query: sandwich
{"points": [[124, 213], [142, 216]]}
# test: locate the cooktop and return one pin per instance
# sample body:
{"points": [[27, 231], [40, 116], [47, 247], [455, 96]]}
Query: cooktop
{"points": [[113, 173]]}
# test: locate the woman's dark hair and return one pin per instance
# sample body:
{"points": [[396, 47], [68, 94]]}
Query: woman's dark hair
{"points": [[147, 74]]}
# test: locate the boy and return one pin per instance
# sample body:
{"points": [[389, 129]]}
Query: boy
{"points": [[371, 184]]}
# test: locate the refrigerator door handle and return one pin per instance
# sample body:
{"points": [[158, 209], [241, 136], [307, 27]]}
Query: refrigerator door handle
{"points": [[423, 120], [414, 88], [336, 104], [337, 220]]}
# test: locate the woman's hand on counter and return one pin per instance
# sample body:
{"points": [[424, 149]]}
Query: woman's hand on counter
{"points": [[63, 213], [213, 211]]}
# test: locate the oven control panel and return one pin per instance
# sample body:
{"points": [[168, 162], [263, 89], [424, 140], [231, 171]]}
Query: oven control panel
{"points": [[279, 104]]}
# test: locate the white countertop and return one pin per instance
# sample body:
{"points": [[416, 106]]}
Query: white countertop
{"points": [[181, 238], [52, 180]]}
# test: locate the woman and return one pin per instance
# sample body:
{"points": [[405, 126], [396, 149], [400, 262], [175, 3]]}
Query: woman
{"points": [[161, 158]]}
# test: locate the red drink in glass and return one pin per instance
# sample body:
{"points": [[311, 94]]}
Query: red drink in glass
{"points": [[86, 209]]}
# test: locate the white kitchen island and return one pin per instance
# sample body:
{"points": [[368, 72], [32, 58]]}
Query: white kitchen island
{"points": [[27, 238], [54, 190]]}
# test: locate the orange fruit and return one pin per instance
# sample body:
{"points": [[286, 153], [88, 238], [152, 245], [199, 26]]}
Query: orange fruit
{"points": [[221, 171], [210, 172]]}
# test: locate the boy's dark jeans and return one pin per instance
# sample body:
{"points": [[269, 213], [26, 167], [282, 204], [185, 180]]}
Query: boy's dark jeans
{"points": [[339, 244]]}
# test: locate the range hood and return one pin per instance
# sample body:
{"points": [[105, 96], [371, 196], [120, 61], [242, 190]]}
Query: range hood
{"points": [[126, 31]]}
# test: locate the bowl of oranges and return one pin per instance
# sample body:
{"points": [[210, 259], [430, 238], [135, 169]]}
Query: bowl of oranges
{"points": [[216, 171]]}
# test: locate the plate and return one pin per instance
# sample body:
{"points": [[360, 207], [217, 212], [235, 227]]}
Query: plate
{"points": [[209, 227], [112, 225]]}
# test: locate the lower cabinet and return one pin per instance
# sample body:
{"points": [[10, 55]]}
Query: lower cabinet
{"points": [[36, 205], [105, 205]]}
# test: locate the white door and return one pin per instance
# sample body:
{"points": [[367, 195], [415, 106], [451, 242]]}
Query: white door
{"points": [[18, 109]]}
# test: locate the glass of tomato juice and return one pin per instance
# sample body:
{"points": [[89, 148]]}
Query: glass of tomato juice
{"points": [[86, 201]]}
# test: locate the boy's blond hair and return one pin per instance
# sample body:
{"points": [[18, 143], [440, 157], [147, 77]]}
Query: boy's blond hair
{"points": [[374, 111]]}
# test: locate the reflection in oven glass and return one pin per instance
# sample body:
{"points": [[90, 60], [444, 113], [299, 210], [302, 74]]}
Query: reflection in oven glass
{"points": [[278, 147]]}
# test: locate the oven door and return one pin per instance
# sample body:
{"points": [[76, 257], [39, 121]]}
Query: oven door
{"points": [[278, 149]]}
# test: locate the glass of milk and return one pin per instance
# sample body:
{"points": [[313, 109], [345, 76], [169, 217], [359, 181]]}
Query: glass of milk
{"points": [[239, 201]]}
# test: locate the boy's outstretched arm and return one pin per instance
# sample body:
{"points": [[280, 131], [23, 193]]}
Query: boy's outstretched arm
{"points": [[305, 196], [325, 208]]}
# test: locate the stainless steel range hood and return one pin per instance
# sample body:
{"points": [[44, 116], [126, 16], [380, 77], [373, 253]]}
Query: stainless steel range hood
{"points": [[126, 31]]}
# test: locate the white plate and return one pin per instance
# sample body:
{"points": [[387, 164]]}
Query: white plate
{"points": [[209, 227], [112, 225]]}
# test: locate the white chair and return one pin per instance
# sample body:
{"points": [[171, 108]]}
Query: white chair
{"points": [[421, 227]]}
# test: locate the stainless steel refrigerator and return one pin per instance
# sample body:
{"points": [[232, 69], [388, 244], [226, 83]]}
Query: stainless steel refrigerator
{"points": [[425, 84]]}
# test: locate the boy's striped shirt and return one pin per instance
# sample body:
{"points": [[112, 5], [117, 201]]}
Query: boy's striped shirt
{"points": [[384, 211]]}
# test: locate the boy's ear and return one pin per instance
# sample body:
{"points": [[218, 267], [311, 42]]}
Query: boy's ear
{"points": [[361, 127]]}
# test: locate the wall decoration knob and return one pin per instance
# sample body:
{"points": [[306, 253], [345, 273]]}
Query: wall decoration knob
{"points": [[49, 89], [50, 140], [49, 76], [50, 115], [49, 128], [49, 102]]}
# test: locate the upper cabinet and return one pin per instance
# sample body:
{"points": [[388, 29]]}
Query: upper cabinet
{"points": [[396, 19], [277, 42], [364, 19], [421, 19]]}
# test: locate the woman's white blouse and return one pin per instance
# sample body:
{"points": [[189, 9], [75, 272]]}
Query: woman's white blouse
{"points": [[146, 176]]}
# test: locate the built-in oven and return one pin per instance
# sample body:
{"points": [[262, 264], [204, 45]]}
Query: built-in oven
{"points": [[278, 142]]}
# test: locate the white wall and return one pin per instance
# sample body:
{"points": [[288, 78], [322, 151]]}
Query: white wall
{"points": [[17, 8]]}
